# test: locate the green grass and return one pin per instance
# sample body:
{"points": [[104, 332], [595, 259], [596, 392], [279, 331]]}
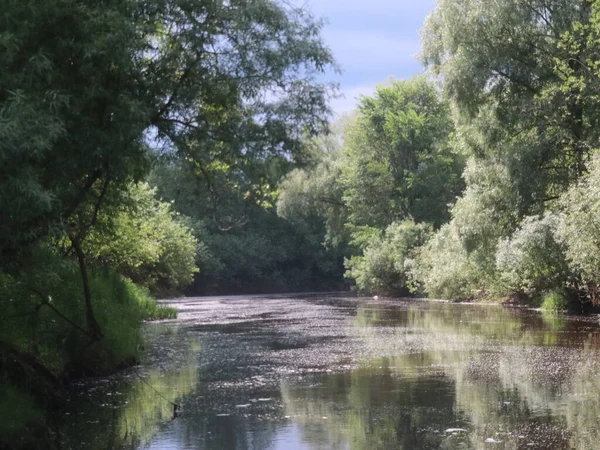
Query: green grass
{"points": [[119, 306], [34, 328], [151, 309]]}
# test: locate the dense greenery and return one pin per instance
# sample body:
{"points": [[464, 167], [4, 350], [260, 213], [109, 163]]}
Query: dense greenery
{"points": [[93, 97], [382, 183], [159, 147], [514, 108]]}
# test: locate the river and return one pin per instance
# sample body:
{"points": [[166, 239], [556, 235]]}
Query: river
{"points": [[330, 371]]}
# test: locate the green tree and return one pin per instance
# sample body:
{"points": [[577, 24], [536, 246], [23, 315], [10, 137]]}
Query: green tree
{"points": [[383, 266], [101, 80], [579, 228], [311, 196], [247, 247], [85, 87], [397, 158], [513, 71], [532, 260], [146, 241]]}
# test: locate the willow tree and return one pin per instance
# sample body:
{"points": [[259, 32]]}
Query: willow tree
{"points": [[513, 70], [89, 90]]}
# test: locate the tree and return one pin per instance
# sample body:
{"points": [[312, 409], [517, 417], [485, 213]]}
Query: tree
{"points": [[86, 86], [511, 69], [311, 196], [383, 266], [89, 91], [144, 240], [397, 158], [532, 260], [578, 230]]}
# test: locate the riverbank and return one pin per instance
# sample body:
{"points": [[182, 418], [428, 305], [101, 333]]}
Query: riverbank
{"points": [[44, 345]]}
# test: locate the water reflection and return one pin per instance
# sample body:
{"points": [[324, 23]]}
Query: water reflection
{"points": [[127, 411], [421, 376], [473, 377]]}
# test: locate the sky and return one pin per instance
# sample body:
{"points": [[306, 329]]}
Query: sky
{"points": [[372, 41]]}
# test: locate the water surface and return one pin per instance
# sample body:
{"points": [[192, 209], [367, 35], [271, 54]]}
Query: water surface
{"points": [[333, 372]]}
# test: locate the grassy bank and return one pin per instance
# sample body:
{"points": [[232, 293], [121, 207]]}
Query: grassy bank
{"points": [[44, 343]]}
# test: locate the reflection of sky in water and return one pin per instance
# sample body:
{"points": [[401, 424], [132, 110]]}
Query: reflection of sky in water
{"points": [[328, 373], [287, 437]]}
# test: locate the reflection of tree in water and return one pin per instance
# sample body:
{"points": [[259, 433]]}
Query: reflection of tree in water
{"points": [[373, 408], [128, 412], [510, 376]]}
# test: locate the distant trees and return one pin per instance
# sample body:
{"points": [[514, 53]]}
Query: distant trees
{"points": [[389, 175], [515, 110]]}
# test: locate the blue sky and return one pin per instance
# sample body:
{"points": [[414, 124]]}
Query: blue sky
{"points": [[372, 41]]}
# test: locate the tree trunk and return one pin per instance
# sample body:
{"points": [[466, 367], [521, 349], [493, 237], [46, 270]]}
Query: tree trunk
{"points": [[92, 325]]}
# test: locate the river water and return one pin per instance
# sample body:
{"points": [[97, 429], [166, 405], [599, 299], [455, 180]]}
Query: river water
{"points": [[337, 372]]}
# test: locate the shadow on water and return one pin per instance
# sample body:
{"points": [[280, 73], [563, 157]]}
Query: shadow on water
{"points": [[334, 373]]}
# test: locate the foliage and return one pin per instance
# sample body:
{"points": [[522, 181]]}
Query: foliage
{"points": [[556, 300], [144, 240], [459, 262], [525, 93], [382, 268], [397, 161], [532, 260], [525, 112], [101, 79], [91, 94], [312, 196], [579, 228], [44, 315], [246, 246], [442, 267], [392, 161]]}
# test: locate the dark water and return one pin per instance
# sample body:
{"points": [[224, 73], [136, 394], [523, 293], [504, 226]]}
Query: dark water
{"points": [[328, 372]]}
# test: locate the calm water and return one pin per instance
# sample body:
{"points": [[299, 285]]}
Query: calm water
{"points": [[328, 372]]}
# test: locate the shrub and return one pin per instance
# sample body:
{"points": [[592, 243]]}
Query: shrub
{"points": [[579, 229], [146, 241], [532, 260], [382, 268], [556, 300], [459, 261], [442, 268]]}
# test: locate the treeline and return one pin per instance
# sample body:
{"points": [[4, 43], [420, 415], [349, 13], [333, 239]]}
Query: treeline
{"points": [[482, 180], [137, 139]]}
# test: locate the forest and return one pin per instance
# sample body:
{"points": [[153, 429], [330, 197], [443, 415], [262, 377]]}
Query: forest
{"points": [[156, 148]]}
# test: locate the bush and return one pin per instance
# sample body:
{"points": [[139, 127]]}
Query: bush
{"points": [[459, 262], [579, 229], [556, 301], [442, 267], [146, 241], [382, 269], [532, 260]]}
